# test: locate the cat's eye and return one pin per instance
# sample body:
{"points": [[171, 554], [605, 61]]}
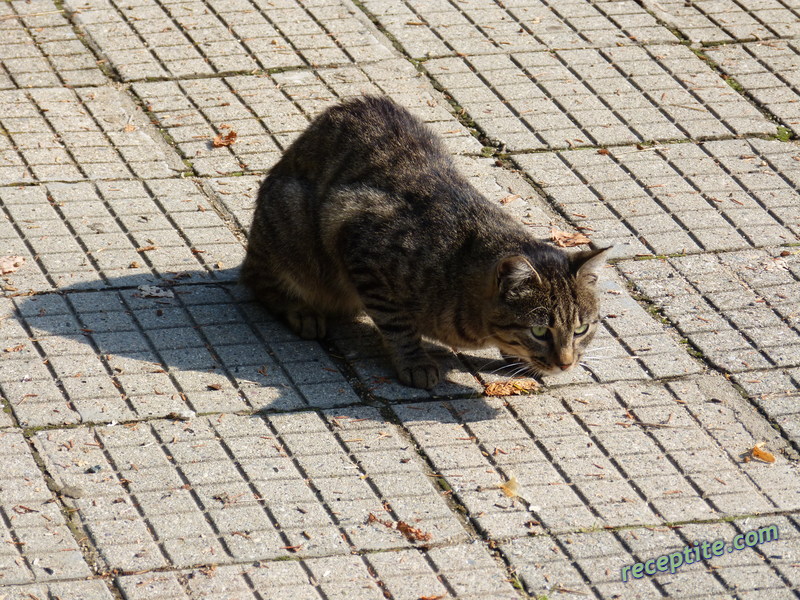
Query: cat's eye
{"points": [[539, 332], [582, 329]]}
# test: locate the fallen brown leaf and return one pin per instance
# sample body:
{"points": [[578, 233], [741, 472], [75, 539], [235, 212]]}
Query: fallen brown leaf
{"points": [[515, 387], [226, 139], [510, 488], [9, 264], [759, 453], [564, 239], [509, 198], [412, 534]]}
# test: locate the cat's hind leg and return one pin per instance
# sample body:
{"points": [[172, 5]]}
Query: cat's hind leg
{"points": [[269, 291]]}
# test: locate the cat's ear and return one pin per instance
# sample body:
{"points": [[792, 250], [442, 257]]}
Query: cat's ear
{"points": [[586, 264], [514, 270]]}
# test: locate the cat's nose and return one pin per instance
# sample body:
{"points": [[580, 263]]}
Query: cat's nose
{"points": [[565, 367]]}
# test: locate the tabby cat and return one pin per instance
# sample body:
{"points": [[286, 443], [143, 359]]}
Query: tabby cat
{"points": [[366, 212]]}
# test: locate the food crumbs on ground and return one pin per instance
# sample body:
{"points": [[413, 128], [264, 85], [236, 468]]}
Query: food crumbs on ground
{"points": [[510, 388]]}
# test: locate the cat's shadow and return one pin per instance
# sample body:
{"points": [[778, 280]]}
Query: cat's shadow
{"points": [[139, 346]]}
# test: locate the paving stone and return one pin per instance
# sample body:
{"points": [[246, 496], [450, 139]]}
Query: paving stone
{"points": [[708, 21], [248, 464], [39, 546], [268, 112], [679, 198], [405, 573], [757, 334], [767, 73], [68, 590], [221, 501], [116, 234], [427, 29], [200, 37], [475, 463], [35, 55], [155, 357], [600, 556], [616, 96], [70, 121]]}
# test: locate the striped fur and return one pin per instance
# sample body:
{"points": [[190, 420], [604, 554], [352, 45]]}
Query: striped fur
{"points": [[366, 212]]}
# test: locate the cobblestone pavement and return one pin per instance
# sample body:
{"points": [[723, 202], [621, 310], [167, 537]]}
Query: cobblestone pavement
{"points": [[161, 436]]}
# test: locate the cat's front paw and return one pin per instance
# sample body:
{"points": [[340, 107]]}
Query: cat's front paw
{"points": [[308, 326], [423, 375]]}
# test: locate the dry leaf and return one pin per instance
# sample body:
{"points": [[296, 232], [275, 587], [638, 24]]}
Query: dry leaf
{"points": [[214, 386], [129, 128], [9, 264], [439, 597], [510, 488], [509, 198], [224, 140], [564, 239], [18, 348], [412, 534], [514, 387], [760, 454]]}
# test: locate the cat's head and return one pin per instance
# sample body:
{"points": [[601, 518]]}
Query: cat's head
{"points": [[544, 316]]}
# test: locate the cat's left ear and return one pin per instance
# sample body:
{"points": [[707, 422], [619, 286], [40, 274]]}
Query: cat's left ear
{"points": [[512, 271], [586, 264]]}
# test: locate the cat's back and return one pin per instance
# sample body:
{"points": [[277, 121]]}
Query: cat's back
{"points": [[369, 140]]}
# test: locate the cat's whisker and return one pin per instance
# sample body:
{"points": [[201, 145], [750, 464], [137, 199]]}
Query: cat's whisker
{"points": [[518, 366], [522, 369], [508, 366], [593, 349]]}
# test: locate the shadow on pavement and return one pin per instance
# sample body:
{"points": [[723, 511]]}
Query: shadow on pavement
{"points": [[134, 347]]}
